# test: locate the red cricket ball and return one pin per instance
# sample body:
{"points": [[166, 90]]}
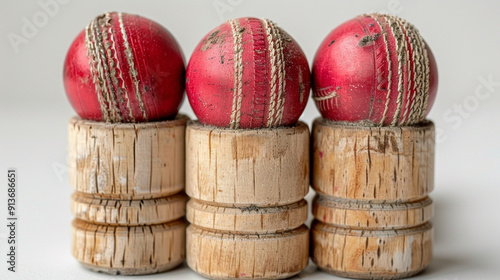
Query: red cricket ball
{"points": [[248, 73], [375, 69], [124, 68]]}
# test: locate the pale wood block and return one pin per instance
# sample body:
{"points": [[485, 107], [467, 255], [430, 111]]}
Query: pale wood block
{"points": [[236, 167], [222, 255], [376, 164], [247, 220], [261, 167], [127, 160], [129, 250], [128, 212], [368, 216], [371, 254]]}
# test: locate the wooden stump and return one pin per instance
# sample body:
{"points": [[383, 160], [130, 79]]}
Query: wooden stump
{"points": [[372, 211], [247, 206], [128, 204]]}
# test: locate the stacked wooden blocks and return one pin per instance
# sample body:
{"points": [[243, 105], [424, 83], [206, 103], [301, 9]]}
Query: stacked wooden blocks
{"points": [[129, 202], [124, 76], [247, 158], [372, 210], [373, 150], [247, 210]]}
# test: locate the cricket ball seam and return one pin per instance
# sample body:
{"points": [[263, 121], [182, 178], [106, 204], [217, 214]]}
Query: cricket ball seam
{"points": [[105, 50], [277, 73], [91, 54], [410, 77], [427, 75], [415, 63], [103, 67], [238, 74], [389, 71], [401, 52], [117, 75], [107, 76], [133, 70]]}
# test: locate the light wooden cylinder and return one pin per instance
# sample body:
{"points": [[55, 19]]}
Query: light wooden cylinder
{"points": [[371, 254], [372, 210], [247, 207], [236, 167], [376, 164], [247, 220], [129, 250], [128, 212], [128, 204], [126, 160], [357, 214], [219, 255]]}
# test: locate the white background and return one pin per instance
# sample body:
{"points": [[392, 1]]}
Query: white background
{"points": [[464, 36]]}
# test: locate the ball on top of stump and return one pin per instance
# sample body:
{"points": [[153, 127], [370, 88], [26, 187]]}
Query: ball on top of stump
{"points": [[124, 76], [247, 158], [375, 80]]}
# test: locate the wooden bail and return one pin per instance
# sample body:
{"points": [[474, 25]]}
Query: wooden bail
{"points": [[125, 160], [376, 164], [235, 167]]}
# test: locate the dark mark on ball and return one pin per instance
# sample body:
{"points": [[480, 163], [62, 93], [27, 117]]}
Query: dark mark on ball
{"points": [[367, 40]]}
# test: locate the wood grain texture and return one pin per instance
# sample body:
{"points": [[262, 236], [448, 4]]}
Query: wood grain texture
{"points": [[127, 161], [372, 211], [371, 254], [376, 164], [128, 212], [129, 250], [261, 167], [247, 220], [361, 215], [219, 255]]}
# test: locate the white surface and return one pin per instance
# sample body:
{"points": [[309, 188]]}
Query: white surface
{"points": [[34, 111]]}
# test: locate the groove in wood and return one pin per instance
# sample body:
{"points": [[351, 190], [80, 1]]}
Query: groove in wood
{"points": [[247, 220], [362, 215], [128, 212]]}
